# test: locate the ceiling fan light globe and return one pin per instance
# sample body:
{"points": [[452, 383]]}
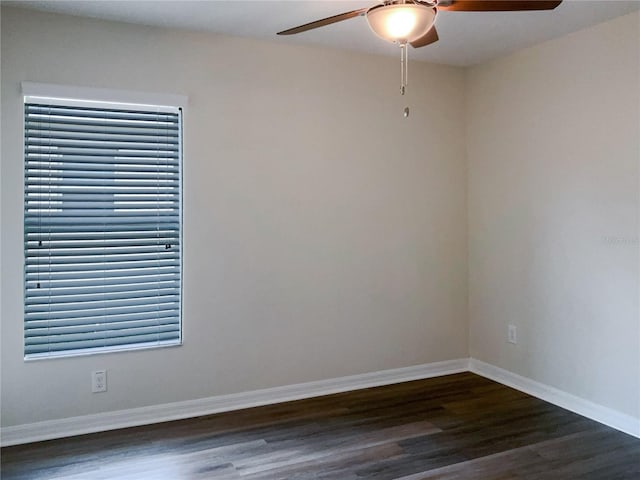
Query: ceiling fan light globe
{"points": [[401, 23]]}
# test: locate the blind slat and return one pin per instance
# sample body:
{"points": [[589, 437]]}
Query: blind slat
{"points": [[67, 127], [164, 315], [116, 326], [91, 250], [40, 175], [37, 163], [93, 124], [100, 303], [40, 111], [68, 298], [122, 281], [37, 239], [101, 159], [98, 312], [148, 272], [124, 135], [73, 292], [105, 344], [44, 150]]}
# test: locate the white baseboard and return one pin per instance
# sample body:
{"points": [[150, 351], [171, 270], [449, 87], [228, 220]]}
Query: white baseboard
{"points": [[66, 427], [607, 416]]}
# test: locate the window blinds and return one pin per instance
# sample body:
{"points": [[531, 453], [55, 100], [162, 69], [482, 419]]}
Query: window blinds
{"points": [[102, 227]]}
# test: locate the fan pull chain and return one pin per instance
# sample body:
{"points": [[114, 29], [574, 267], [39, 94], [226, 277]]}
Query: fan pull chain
{"points": [[404, 73], [404, 67]]}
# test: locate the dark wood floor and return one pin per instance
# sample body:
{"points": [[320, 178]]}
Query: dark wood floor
{"points": [[454, 427]]}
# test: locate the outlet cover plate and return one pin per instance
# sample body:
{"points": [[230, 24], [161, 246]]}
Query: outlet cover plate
{"points": [[99, 381], [512, 334]]}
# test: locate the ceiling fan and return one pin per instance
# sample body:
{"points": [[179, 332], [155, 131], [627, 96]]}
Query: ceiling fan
{"points": [[412, 21]]}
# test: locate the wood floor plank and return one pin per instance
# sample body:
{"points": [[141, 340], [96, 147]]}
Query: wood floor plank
{"points": [[455, 427]]}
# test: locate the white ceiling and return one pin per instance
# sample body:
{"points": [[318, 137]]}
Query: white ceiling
{"points": [[466, 38]]}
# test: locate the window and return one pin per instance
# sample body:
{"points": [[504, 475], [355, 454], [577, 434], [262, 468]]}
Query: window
{"points": [[102, 226]]}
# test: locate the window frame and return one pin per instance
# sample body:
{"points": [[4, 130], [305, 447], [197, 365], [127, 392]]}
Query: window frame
{"points": [[73, 96]]}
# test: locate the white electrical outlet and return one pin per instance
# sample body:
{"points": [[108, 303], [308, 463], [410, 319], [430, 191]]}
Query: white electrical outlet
{"points": [[99, 381], [512, 334]]}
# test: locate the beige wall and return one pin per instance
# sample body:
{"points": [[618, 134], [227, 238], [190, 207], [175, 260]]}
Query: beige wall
{"points": [[553, 150], [325, 235]]}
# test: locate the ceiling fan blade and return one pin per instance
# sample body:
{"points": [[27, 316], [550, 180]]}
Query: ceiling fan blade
{"points": [[324, 22], [497, 5], [427, 39]]}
